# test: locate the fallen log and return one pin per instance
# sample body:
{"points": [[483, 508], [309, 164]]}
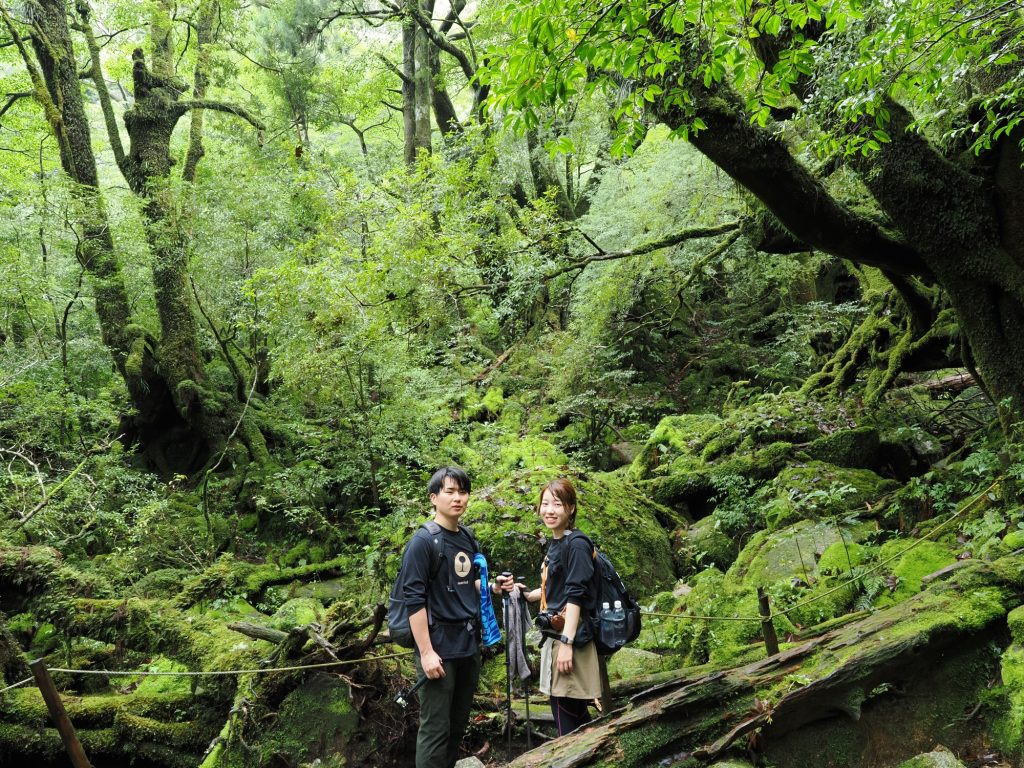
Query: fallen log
{"points": [[259, 632], [701, 717]]}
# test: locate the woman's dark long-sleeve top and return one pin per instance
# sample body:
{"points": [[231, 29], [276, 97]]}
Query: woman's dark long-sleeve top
{"points": [[570, 573]]}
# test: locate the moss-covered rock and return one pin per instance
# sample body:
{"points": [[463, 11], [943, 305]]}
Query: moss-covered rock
{"points": [[314, 721], [620, 519], [734, 639], [911, 565], [815, 490], [682, 437], [938, 758], [297, 612], [630, 663], [529, 453], [793, 552], [856, 448], [1015, 621], [703, 544], [485, 408], [1009, 727], [1013, 540]]}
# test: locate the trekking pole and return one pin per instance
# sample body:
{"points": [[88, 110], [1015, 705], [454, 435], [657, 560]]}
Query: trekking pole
{"points": [[402, 698], [508, 668], [526, 682]]}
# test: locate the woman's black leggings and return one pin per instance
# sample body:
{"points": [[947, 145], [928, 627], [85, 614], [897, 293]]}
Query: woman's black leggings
{"points": [[569, 714]]}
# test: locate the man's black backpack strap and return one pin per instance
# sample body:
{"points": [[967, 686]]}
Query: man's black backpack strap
{"points": [[398, 611]]}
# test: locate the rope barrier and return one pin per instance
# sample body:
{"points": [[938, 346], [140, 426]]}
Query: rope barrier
{"points": [[877, 566], [260, 671], [691, 617], [17, 684], [889, 559], [345, 662]]}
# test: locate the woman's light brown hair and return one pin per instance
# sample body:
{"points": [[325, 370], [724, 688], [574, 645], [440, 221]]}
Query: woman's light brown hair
{"points": [[564, 492]]}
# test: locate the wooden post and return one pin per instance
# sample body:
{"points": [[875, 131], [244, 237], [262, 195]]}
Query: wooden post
{"points": [[771, 640], [60, 717]]}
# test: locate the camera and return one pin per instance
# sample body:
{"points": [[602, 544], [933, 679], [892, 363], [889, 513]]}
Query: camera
{"points": [[548, 621]]}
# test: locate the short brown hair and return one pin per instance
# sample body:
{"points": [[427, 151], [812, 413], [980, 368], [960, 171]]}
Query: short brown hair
{"points": [[565, 492]]}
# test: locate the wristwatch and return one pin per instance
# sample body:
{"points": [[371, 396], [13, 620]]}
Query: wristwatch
{"points": [[564, 640]]}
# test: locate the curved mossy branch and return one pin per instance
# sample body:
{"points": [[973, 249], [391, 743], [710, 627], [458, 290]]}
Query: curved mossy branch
{"points": [[654, 245], [839, 372], [221, 106], [910, 342]]}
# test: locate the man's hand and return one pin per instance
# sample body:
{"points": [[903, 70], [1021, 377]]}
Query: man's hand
{"points": [[506, 583], [432, 665]]}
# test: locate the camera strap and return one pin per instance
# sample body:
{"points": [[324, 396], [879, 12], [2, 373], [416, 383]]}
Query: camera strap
{"points": [[544, 585]]}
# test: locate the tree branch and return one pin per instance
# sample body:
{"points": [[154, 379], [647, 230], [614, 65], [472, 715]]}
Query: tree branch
{"points": [[391, 66], [645, 248], [442, 42], [231, 109], [12, 98], [758, 160]]}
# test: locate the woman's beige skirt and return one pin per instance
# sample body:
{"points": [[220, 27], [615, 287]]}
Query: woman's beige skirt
{"points": [[584, 682]]}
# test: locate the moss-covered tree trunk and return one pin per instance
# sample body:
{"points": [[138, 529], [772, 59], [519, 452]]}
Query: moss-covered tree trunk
{"points": [[150, 123], [178, 423], [210, 416], [957, 226], [59, 92], [963, 227]]}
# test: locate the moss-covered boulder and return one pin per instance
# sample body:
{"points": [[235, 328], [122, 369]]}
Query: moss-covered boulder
{"points": [[677, 440], [297, 612], [1015, 621], [938, 758], [815, 490], [702, 544], [715, 620], [692, 486], [911, 564], [856, 448], [529, 453], [314, 721], [1009, 728], [483, 408], [793, 552], [621, 520], [631, 663]]}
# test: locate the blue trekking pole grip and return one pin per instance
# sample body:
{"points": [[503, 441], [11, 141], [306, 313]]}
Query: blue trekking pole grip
{"points": [[491, 633]]}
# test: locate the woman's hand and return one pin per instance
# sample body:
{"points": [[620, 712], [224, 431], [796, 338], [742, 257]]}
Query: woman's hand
{"points": [[564, 658]]}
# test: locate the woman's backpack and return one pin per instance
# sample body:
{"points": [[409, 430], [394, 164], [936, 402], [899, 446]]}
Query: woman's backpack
{"points": [[609, 588]]}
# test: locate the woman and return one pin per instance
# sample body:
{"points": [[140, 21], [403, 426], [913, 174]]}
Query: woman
{"points": [[569, 674]]}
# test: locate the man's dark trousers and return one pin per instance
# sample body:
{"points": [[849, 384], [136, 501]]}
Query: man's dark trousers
{"points": [[444, 711]]}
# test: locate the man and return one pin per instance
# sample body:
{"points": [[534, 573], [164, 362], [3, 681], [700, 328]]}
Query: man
{"points": [[443, 600]]}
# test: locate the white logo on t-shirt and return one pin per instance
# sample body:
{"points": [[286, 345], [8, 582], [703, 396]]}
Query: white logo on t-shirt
{"points": [[463, 565]]}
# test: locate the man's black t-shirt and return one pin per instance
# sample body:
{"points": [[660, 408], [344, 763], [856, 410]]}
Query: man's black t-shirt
{"points": [[449, 593], [570, 573]]}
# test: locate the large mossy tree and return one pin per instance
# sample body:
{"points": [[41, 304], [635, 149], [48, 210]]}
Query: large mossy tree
{"points": [[178, 420], [919, 101]]}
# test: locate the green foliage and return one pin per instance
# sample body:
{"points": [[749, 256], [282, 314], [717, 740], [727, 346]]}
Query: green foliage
{"points": [[858, 53]]}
